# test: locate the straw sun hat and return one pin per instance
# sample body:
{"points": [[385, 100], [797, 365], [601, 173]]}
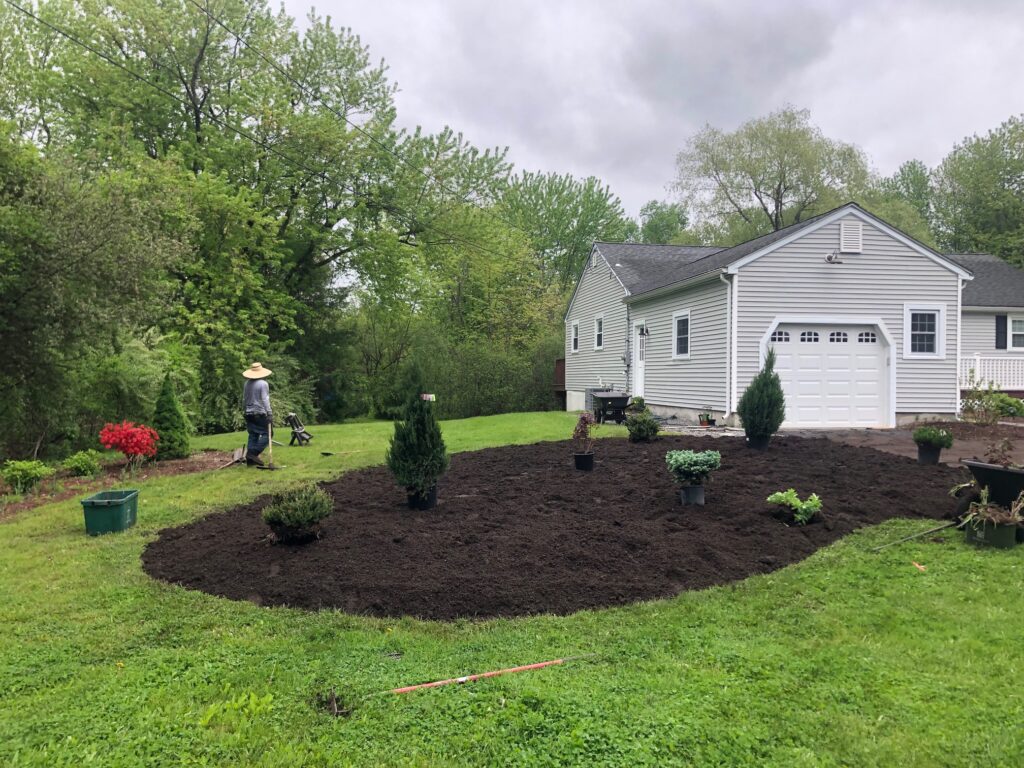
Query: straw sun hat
{"points": [[256, 371]]}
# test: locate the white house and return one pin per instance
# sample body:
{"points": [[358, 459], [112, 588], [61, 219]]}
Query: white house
{"points": [[870, 327]]}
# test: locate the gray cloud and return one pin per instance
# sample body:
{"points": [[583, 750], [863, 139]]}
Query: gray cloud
{"points": [[613, 89]]}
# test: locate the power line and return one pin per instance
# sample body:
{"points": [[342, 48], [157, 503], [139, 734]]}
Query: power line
{"points": [[396, 212], [312, 96]]}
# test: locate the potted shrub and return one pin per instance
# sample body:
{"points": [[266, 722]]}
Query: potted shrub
{"points": [[792, 509], [583, 441], [706, 418], [991, 524], [930, 442], [762, 409], [691, 469], [417, 455], [642, 426], [294, 516]]}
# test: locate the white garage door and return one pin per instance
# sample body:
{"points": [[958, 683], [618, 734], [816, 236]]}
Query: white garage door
{"points": [[832, 375]]}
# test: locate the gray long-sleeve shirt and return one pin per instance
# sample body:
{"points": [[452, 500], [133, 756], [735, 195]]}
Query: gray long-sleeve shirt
{"points": [[256, 396]]}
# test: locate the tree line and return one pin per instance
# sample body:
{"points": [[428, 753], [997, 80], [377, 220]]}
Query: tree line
{"points": [[191, 188]]}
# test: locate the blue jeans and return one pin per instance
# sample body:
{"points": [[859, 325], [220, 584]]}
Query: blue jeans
{"points": [[258, 426]]}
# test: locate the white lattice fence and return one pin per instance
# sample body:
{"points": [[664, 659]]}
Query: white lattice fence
{"points": [[1005, 372]]}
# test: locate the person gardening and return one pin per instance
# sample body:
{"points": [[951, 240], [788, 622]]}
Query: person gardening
{"points": [[258, 414]]}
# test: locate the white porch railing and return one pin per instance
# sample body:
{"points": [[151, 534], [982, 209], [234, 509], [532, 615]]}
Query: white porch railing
{"points": [[1005, 372]]}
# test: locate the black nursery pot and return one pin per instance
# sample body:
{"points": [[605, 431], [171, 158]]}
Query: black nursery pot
{"points": [[928, 454], [584, 461], [760, 443], [692, 494], [423, 502]]}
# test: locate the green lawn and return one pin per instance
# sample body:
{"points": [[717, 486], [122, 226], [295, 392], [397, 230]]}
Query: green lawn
{"points": [[850, 658]]}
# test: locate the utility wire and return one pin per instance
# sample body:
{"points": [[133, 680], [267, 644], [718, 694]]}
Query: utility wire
{"points": [[396, 212], [313, 97]]}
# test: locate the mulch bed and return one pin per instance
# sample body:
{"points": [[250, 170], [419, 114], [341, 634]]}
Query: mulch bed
{"points": [[519, 531], [65, 486]]}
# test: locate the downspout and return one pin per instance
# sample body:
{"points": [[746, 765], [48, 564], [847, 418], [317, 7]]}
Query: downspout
{"points": [[959, 332], [728, 344]]}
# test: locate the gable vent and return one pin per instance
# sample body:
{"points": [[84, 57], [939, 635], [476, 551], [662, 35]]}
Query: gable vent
{"points": [[850, 237]]}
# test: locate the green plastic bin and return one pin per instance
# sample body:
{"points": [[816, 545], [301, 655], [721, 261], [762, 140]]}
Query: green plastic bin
{"points": [[110, 511]]}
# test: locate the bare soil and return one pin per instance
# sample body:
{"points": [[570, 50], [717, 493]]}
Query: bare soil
{"points": [[64, 486], [970, 441], [518, 530]]}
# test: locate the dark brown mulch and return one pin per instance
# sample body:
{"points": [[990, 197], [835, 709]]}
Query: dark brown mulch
{"points": [[519, 531]]}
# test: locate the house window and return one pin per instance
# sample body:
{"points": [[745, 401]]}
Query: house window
{"points": [[778, 336], [924, 330], [867, 337], [808, 337], [575, 337], [681, 335], [599, 333], [838, 337], [1017, 333]]}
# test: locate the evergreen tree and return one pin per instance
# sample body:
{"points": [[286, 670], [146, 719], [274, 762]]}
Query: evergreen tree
{"points": [[171, 424], [762, 409], [417, 456]]}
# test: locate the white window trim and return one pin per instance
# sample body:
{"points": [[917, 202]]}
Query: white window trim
{"points": [[940, 331], [1009, 333], [689, 334], [574, 337], [596, 319]]}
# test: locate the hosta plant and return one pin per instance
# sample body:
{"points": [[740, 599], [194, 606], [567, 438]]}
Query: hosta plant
{"points": [[802, 511], [23, 476]]}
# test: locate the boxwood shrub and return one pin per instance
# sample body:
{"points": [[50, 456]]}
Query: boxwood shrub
{"points": [[294, 515]]}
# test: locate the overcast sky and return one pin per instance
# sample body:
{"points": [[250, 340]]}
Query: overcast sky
{"points": [[613, 89]]}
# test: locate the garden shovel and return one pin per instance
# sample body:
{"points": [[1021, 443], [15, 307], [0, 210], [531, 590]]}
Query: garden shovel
{"points": [[270, 449]]}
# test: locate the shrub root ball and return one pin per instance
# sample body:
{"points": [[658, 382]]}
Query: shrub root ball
{"points": [[519, 531]]}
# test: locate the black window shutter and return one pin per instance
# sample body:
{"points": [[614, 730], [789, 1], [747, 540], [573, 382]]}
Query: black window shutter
{"points": [[1000, 331]]}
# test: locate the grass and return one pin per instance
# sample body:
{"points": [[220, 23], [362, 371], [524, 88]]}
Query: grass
{"points": [[849, 658]]}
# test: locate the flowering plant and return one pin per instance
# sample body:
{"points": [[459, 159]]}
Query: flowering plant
{"points": [[581, 435], [136, 441]]}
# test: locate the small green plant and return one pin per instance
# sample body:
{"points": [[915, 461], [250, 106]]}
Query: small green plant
{"points": [[637, 405], [803, 511], [293, 515], [933, 436], [23, 476], [1000, 452], [762, 409], [692, 467], [83, 463], [642, 426], [980, 403], [1007, 405]]}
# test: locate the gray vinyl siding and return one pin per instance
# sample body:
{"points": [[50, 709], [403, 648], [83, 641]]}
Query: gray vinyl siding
{"points": [[599, 293], [979, 334], [701, 380], [796, 280]]}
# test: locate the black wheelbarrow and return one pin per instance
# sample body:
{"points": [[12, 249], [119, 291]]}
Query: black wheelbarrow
{"points": [[610, 405]]}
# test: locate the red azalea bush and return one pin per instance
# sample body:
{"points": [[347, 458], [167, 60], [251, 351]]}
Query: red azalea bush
{"points": [[135, 441]]}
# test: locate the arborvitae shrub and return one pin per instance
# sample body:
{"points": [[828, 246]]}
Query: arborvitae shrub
{"points": [[171, 424], [417, 456], [762, 409], [293, 515]]}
